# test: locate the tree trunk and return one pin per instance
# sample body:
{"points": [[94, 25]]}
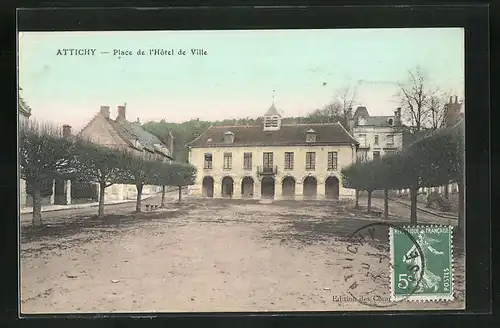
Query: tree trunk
{"points": [[162, 196], [446, 192], [386, 204], [180, 193], [369, 206], [37, 207], [356, 192], [413, 208], [139, 197], [102, 189], [461, 207]]}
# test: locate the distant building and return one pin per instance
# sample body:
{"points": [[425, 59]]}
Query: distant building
{"points": [[120, 134], [377, 135], [272, 160], [24, 113]]}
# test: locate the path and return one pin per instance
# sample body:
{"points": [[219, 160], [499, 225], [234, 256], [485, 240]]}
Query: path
{"points": [[403, 211]]}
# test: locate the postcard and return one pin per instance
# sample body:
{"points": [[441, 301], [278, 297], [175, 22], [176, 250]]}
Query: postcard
{"points": [[241, 170]]}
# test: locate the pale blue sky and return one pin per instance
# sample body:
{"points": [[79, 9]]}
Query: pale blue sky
{"points": [[236, 78]]}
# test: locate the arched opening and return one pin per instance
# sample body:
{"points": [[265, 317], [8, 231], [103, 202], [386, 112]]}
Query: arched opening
{"points": [[310, 187], [227, 187], [267, 187], [332, 188], [288, 187], [208, 187], [247, 187]]}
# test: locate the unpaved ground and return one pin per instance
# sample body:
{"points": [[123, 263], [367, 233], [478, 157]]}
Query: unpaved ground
{"points": [[210, 256]]}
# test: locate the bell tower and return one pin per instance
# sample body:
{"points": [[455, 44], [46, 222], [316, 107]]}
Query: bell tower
{"points": [[272, 118]]}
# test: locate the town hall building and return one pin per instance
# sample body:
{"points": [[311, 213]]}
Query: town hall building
{"points": [[272, 160]]}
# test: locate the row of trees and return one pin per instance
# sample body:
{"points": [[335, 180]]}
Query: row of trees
{"points": [[45, 154], [433, 161]]}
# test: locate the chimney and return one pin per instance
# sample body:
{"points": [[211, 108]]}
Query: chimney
{"points": [[397, 116], [121, 114], [452, 112], [66, 131], [171, 143], [350, 124], [105, 111]]}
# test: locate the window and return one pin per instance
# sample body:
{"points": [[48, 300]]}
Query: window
{"points": [[208, 161], [362, 139], [376, 140], [310, 161], [376, 155], [247, 161], [362, 155], [390, 121], [332, 160], [228, 161], [229, 137], [267, 160], [389, 152], [311, 135], [288, 161], [390, 139]]}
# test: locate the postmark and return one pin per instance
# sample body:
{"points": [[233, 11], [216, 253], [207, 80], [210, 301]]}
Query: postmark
{"points": [[431, 274], [368, 265]]}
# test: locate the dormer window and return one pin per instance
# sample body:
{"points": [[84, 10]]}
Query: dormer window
{"points": [[137, 144], [390, 121], [361, 121], [229, 137], [311, 135]]}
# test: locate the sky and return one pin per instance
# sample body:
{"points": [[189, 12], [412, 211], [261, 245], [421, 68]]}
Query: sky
{"points": [[236, 77]]}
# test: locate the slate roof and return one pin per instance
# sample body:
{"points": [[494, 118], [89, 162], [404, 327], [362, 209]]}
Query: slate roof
{"points": [[24, 109], [378, 120], [272, 111], [132, 131], [287, 135]]}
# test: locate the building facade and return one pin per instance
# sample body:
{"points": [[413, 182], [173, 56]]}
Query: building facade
{"points": [[377, 135], [272, 160], [24, 113], [120, 134]]}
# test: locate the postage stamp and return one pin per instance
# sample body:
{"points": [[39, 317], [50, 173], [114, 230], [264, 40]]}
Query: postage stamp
{"points": [[425, 274]]}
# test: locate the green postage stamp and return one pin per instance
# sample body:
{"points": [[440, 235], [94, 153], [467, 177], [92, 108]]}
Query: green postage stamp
{"points": [[422, 265]]}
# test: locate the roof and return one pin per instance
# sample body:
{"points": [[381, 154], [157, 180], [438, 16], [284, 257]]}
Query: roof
{"points": [[24, 109], [361, 111], [378, 120], [272, 111], [132, 131], [287, 135]]}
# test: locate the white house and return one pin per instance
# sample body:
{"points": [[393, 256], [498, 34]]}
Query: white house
{"points": [[272, 160]]}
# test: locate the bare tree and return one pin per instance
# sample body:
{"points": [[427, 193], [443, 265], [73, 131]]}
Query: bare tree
{"points": [[421, 110], [340, 109], [345, 101], [415, 98], [437, 110]]}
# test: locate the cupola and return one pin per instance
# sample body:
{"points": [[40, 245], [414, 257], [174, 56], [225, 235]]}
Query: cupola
{"points": [[272, 118]]}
